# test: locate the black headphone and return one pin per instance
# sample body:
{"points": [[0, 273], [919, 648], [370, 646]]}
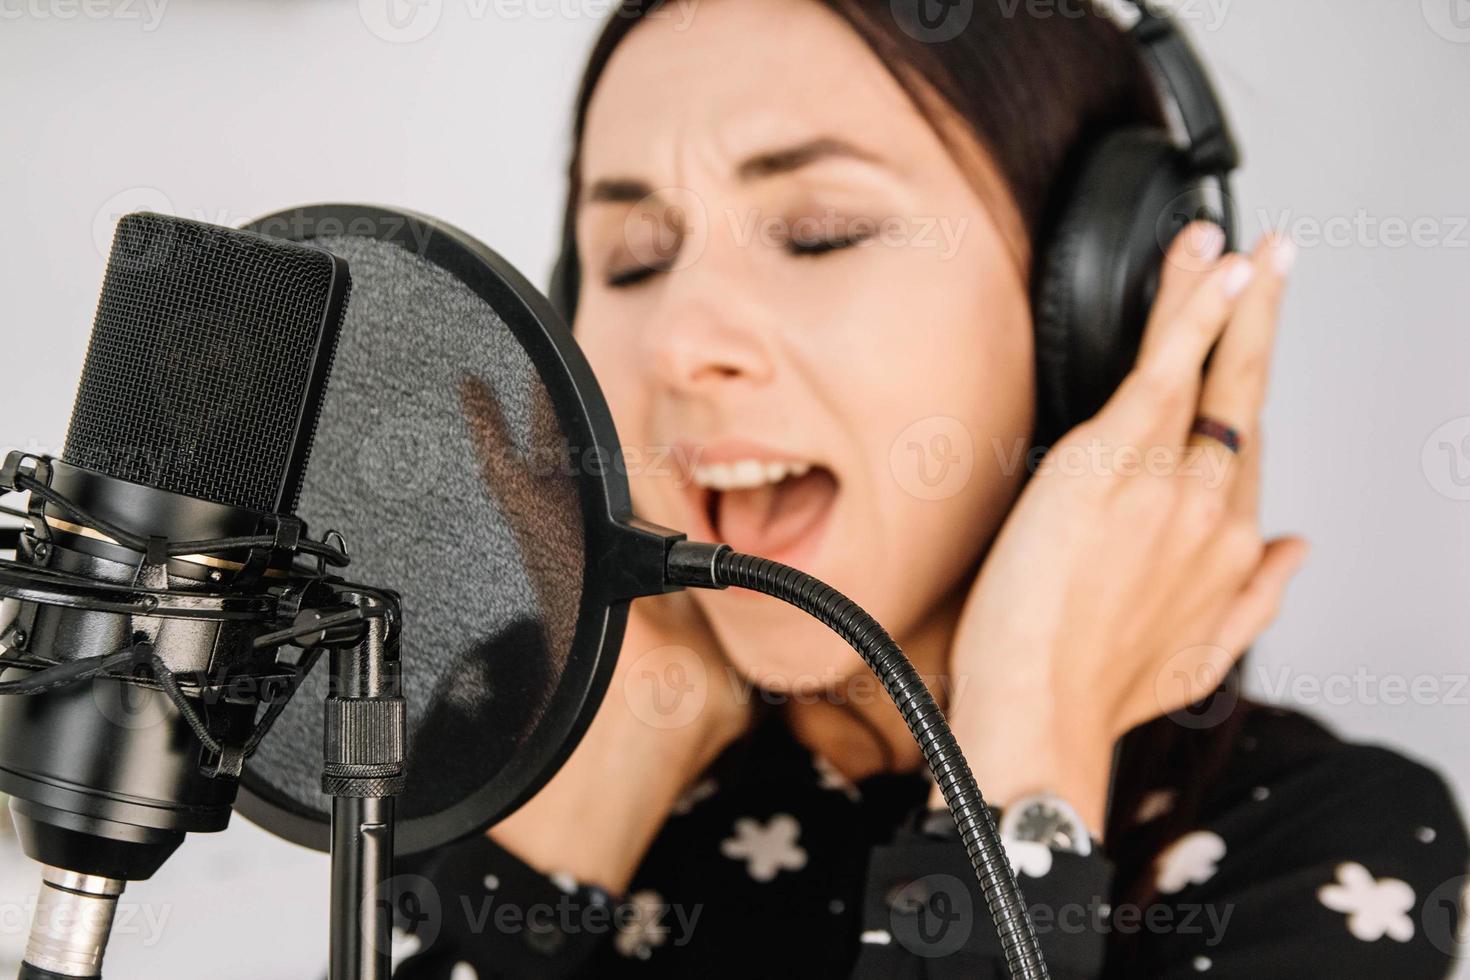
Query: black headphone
{"points": [[1099, 269]]}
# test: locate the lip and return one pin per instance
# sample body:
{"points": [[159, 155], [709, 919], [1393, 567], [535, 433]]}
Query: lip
{"points": [[732, 450], [696, 499]]}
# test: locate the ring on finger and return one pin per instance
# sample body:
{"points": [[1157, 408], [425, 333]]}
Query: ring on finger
{"points": [[1216, 431]]}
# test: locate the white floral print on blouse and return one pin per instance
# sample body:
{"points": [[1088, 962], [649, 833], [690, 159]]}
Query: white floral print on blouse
{"points": [[1155, 805], [643, 931], [830, 777], [1191, 860], [1028, 857], [1374, 907], [766, 848], [405, 944], [693, 796]]}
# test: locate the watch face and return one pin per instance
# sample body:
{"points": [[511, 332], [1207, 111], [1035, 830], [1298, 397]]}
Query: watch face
{"points": [[1049, 821]]}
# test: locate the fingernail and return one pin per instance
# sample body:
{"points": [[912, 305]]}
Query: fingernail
{"points": [[1284, 256], [1206, 241], [1239, 277]]}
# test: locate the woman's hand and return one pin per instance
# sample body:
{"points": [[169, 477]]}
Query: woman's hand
{"points": [[671, 708], [1132, 573]]}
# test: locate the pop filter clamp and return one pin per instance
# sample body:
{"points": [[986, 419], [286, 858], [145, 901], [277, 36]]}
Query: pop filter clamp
{"points": [[364, 743]]}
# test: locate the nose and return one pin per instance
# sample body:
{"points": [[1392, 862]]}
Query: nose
{"points": [[707, 331]]}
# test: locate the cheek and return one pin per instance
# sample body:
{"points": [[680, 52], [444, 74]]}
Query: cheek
{"points": [[935, 388], [627, 389], [959, 401]]}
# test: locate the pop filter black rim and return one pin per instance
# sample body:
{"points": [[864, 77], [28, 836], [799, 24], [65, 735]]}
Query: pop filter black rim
{"points": [[625, 557]]}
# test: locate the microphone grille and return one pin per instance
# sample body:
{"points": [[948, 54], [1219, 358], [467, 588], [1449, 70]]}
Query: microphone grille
{"points": [[208, 359]]}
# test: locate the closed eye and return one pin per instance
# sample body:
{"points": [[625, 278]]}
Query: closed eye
{"points": [[636, 273], [799, 247], [823, 246]]}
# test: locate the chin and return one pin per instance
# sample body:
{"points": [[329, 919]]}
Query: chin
{"points": [[776, 647]]}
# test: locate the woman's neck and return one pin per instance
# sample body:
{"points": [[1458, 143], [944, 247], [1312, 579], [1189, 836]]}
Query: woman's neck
{"points": [[860, 730]]}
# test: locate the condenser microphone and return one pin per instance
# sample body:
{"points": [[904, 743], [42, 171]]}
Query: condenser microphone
{"points": [[159, 548]]}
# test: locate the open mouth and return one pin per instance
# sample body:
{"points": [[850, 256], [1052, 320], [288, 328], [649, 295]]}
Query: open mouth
{"points": [[767, 508]]}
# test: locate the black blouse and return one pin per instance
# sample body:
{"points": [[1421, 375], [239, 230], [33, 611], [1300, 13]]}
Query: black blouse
{"points": [[1311, 858]]}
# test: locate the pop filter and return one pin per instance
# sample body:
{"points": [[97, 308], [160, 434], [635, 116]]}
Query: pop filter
{"points": [[466, 455]]}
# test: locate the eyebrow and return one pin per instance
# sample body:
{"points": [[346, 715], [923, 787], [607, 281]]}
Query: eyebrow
{"points": [[627, 190], [805, 154], [619, 190]]}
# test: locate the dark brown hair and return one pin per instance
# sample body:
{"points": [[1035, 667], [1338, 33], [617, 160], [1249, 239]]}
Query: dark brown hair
{"points": [[1034, 90]]}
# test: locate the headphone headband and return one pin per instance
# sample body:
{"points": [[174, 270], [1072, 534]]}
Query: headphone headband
{"points": [[1181, 77]]}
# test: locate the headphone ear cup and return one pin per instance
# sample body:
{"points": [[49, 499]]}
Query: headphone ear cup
{"points": [[1100, 270]]}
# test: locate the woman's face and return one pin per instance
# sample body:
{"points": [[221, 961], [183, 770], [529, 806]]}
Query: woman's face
{"points": [[814, 336]]}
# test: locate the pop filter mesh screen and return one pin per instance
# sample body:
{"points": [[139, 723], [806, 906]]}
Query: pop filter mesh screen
{"points": [[440, 458]]}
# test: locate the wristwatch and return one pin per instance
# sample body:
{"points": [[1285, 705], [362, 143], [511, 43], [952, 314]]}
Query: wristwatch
{"points": [[1046, 819]]}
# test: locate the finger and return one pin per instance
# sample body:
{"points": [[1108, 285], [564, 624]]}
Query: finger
{"points": [[1239, 369], [1162, 394], [1192, 256], [1235, 384], [1258, 603], [1215, 468], [1245, 493]]}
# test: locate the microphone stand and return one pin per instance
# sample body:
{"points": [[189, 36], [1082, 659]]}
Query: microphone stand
{"points": [[363, 773], [364, 738]]}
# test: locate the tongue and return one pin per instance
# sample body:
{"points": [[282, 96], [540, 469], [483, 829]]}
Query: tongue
{"points": [[768, 519]]}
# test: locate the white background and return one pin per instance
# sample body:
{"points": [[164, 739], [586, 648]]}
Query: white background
{"points": [[1352, 111]]}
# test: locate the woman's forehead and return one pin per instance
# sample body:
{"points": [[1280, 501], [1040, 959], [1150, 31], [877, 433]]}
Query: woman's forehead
{"points": [[739, 78]]}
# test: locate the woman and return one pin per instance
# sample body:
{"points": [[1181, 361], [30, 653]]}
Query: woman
{"points": [[807, 242]]}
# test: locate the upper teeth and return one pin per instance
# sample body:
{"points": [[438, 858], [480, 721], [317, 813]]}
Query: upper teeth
{"points": [[746, 473]]}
